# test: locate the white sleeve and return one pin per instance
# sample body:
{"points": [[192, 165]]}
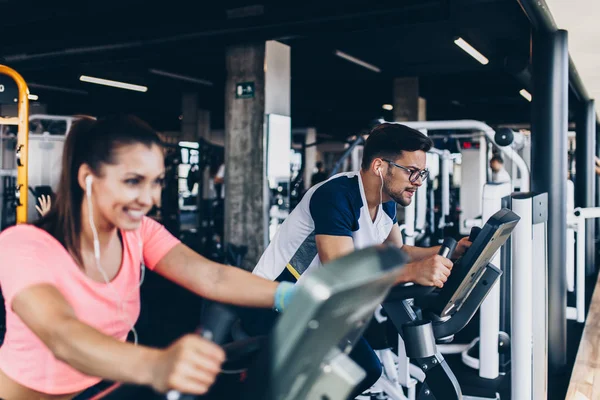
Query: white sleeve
{"points": [[221, 172]]}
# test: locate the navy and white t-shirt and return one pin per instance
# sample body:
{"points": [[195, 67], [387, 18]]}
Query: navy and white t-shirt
{"points": [[336, 207]]}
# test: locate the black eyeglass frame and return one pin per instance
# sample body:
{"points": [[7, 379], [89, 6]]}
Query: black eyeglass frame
{"points": [[415, 174]]}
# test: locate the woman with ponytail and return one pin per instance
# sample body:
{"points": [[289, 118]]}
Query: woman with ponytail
{"points": [[71, 281]]}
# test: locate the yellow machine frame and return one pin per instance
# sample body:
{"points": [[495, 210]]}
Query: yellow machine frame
{"points": [[22, 121]]}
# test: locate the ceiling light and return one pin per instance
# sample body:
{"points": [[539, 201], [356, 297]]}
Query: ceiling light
{"points": [[525, 94], [33, 97], [193, 145], [460, 42], [181, 77], [357, 61], [117, 84], [388, 107]]}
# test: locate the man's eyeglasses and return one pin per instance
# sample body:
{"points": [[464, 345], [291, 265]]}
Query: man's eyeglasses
{"points": [[415, 174]]}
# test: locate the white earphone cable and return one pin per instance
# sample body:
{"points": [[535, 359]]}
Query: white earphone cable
{"points": [[381, 188], [120, 303]]}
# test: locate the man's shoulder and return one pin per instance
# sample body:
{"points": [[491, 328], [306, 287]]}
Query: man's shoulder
{"points": [[342, 188], [344, 183]]}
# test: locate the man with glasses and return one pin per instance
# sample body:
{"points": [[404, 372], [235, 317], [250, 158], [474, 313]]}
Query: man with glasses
{"points": [[354, 210]]}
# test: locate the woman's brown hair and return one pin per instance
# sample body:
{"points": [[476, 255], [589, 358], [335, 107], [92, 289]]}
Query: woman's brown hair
{"points": [[92, 142]]}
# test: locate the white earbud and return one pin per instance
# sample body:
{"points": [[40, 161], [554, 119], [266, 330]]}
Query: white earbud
{"points": [[381, 188]]}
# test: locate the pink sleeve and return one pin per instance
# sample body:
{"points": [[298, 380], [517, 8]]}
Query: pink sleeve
{"points": [[157, 242], [26, 259]]}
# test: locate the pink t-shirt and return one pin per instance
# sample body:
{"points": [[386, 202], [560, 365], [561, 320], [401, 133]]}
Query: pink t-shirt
{"points": [[30, 256]]}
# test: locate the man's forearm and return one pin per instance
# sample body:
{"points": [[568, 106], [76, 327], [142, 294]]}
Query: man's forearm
{"points": [[419, 253], [406, 275]]}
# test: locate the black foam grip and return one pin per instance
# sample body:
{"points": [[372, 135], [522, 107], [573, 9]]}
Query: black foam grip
{"points": [[474, 232], [447, 247], [187, 397], [218, 320]]}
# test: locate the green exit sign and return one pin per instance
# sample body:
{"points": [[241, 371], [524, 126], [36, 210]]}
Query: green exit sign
{"points": [[244, 90]]}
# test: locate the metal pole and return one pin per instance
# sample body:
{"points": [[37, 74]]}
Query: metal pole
{"points": [[445, 163], [360, 140], [585, 179], [22, 121], [580, 270], [597, 188], [570, 237], [539, 317], [489, 323], [522, 299], [549, 174]]}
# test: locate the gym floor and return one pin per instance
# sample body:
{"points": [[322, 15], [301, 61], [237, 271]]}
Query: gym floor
{"points": [[559, 383]]}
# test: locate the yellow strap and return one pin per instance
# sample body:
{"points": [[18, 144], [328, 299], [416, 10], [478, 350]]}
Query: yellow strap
{"points": [[293, 271]]}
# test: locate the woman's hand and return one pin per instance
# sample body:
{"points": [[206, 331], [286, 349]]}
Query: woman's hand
{"points": [[190, 365], [45, 205]]}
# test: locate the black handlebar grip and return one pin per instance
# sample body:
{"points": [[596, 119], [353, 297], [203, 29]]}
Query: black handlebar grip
{"points": [[474, 232], [174, 395], [447, 247], [218, 321]]}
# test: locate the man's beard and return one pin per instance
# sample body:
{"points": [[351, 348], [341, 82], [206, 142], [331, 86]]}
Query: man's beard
{"points": [[398, 198]]}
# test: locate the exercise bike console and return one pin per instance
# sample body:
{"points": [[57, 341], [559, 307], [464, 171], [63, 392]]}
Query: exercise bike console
{"points": [[451, 308]]}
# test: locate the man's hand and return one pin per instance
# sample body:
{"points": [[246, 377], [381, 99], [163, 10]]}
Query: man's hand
{"points": [[431, 271], [461, 247]]}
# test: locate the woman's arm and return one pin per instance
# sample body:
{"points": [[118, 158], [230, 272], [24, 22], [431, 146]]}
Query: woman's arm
{"points": [[215, 281], [189, 365]]}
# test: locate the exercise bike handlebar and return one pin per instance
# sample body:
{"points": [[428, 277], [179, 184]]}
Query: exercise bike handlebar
{"points": [[218, 321], [410, 290]]}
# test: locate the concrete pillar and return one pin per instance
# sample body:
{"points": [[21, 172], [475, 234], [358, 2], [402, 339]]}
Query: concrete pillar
{"points": [[257, 84], [189, 112], [203, 124], [408, 106], [203, 132]]}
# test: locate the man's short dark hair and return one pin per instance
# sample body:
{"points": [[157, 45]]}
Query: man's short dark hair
{"points": [[319, 164], [390, 140], [497, 158]]}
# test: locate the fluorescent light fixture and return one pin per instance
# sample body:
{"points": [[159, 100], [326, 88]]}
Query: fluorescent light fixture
{"points": [[460, 42], [33, 97], [525, 94], [180, 77], [117, 84], [192, 145], [388, 107], [357, 61]]}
